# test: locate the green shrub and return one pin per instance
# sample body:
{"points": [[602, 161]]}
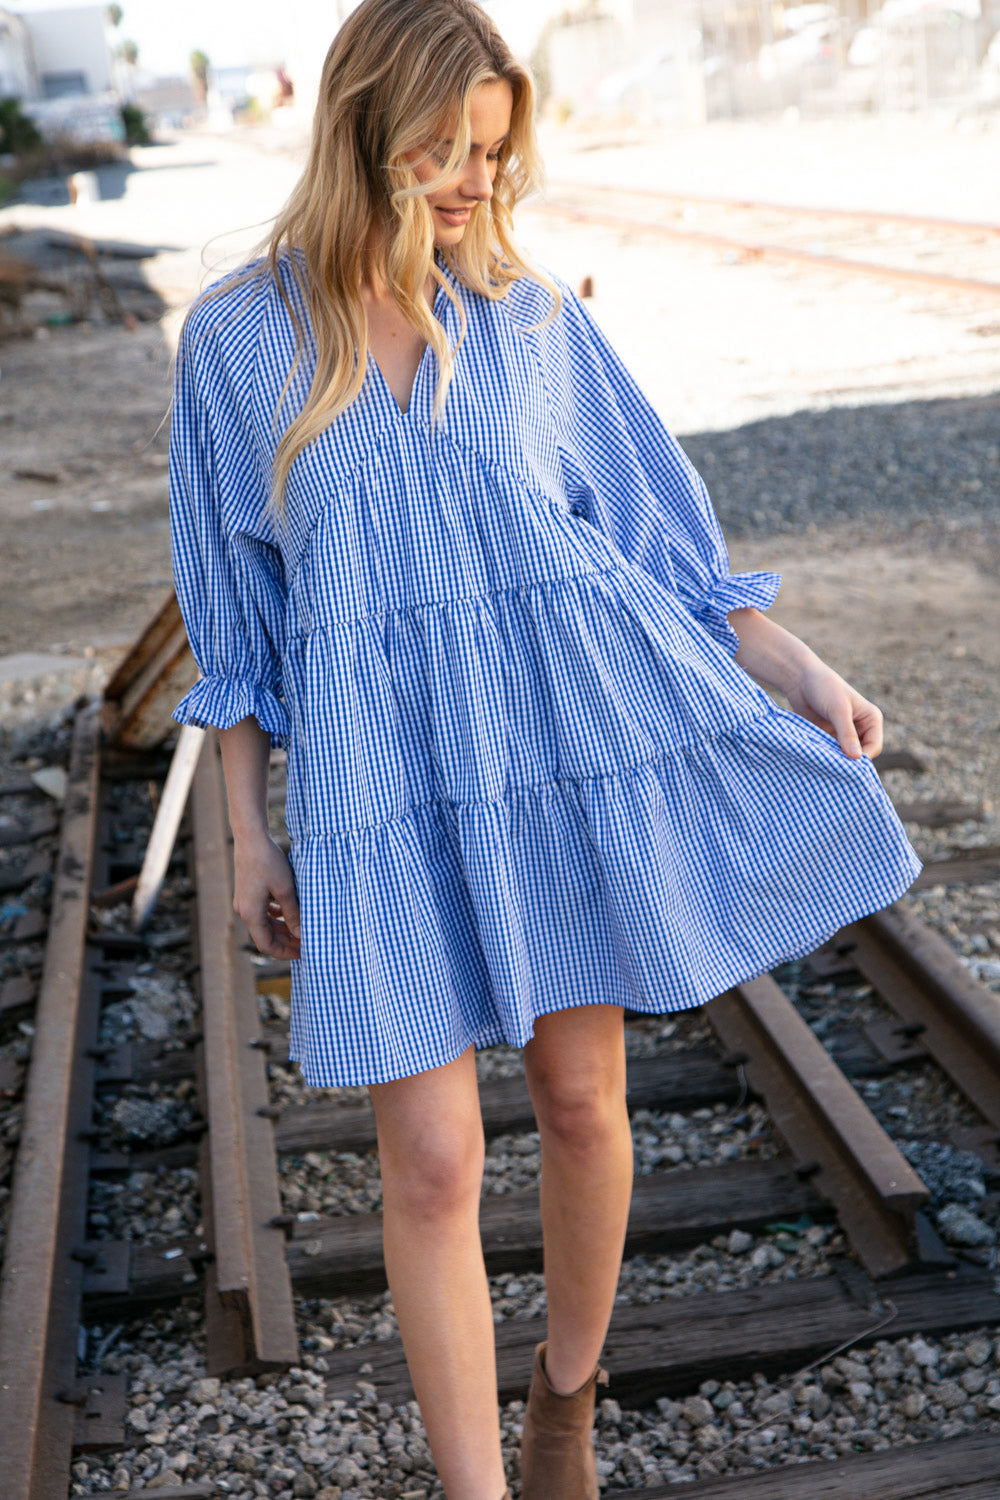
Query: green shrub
{"points": [[18, 134], [137, 131]]}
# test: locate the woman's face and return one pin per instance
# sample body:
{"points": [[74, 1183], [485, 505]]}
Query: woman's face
{"points": [[489, 120]]}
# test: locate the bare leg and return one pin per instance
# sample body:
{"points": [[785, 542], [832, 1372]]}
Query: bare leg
{"points": [[430, 1139], [575, 1067]]}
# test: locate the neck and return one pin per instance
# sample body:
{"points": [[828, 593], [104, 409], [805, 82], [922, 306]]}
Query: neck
{"points": [[375, 287]]}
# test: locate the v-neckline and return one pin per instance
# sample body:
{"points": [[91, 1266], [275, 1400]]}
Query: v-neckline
{"points": [[386, 387]]}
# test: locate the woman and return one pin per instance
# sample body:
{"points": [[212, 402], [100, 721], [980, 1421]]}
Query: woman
{"points": [[429, 533]]}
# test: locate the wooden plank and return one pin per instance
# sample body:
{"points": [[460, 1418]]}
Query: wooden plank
{"points": [[939, 813], [153, 1282], [17, 997], [173, 801], [155, 672], [249, 1266], [668, 1348], [41, 1287], [669, 1210], [979, 866], [900, 760], [27, 929], [826, 1122], [201, 1489], [960, 1468], [679, 1081], [16, 877], [41, 826]]}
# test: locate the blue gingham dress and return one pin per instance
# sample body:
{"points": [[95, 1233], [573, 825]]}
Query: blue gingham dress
{"points": [[524, 771]]}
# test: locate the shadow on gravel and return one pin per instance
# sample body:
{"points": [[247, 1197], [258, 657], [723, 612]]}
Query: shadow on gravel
{"points": [[926, 470], [101, 280]]}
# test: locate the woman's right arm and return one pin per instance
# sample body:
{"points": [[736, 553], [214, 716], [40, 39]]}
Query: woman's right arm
{"points": [[264, 887]]}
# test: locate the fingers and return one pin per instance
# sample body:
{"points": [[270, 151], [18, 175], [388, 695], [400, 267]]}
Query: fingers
{"points": [[283, 936], [868, 721], [266, 898], [286, 899], [259, 927], [832, 704], [845, 731], [271, 925], [857, 725]]}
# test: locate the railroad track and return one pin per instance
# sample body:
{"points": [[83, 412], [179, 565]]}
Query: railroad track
{"points": [[837, 1164], [945, 255]]}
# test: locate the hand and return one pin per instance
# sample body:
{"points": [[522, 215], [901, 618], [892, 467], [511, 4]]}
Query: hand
{"points": [[824, 698], [265, 896]]}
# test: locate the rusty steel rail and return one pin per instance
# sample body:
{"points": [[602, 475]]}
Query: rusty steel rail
{"points": [[759, 250], [254, 1328], [43, 1265], [951, 1015], [825, 1123], [796, 210]]}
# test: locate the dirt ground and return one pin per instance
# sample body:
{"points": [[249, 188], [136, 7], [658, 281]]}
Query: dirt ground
{"points": [[84, 515]]}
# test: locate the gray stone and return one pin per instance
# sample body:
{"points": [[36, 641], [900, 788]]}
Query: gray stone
{"points": [[206, 1390], [145, 1122], [960, 1226], [697, 1411]]}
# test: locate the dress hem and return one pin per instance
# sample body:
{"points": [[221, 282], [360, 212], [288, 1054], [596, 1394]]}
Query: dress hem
{"points": [[741, 974]]}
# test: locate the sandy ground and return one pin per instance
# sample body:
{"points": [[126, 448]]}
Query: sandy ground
{"points": [[717, 343]]}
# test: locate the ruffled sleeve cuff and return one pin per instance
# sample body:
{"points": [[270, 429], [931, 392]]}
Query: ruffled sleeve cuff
{"points": [[223, 701], [735, 591]]}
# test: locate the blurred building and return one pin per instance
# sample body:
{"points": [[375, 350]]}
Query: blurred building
{"points": [[55, 54], [18, 76], [58, 64], [689, 60]]}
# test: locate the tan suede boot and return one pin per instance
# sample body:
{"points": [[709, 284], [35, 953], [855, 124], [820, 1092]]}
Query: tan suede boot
{"points": [[557, 1448]]}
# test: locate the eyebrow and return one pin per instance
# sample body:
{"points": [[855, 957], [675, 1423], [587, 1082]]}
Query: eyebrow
{"points": [[449, 140]]}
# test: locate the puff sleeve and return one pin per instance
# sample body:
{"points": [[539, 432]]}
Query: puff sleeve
{"points": [[228, 574], [637, 482]]}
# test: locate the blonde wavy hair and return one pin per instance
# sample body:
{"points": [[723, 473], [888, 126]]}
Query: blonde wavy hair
{"points": [[396, 72]]}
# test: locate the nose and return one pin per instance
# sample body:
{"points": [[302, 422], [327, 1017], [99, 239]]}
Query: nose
{"points": [[477, 181]]}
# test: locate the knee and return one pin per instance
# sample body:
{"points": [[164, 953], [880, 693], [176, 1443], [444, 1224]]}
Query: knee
{"points": [[436, 1174], [578, 1113]]}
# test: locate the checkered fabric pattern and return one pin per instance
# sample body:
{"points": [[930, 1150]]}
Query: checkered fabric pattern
{"points": [[524, 770]]}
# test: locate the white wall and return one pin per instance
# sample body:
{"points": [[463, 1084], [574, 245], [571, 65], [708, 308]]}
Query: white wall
{"points": [[68, 42], [17, 73]]}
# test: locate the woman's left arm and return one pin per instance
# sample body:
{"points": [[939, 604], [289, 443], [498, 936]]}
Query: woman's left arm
{"points": [[778, 659]]}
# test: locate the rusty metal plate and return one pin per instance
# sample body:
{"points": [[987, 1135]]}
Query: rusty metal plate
{"points": [[107, 1267], [100, 1420], [892, 1043]]}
